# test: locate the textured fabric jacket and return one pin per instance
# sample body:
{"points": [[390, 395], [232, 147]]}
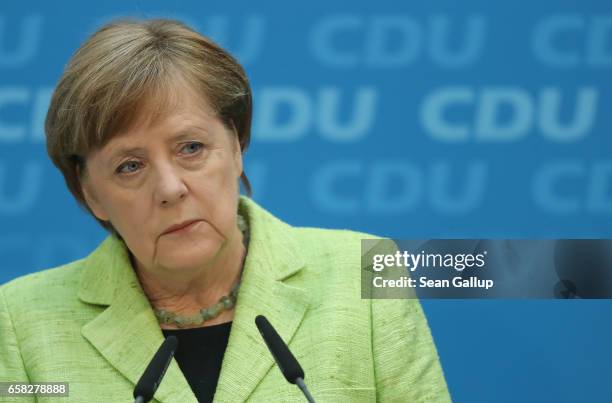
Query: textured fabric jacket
{"points": [[89, 323]]}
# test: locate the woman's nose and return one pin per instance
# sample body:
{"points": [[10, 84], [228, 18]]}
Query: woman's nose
{"points": [[170, 186]]}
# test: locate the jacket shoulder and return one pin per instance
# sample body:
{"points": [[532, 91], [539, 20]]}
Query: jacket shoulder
{"points": [[333, 242], [332, 253], [315, 235], [43, 286]]}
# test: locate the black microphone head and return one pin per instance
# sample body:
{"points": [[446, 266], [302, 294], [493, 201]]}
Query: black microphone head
{"points": [[155, 371], [287, 363]]}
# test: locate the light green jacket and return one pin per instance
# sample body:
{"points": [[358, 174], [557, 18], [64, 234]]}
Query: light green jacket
{"points": [[90, 324]]}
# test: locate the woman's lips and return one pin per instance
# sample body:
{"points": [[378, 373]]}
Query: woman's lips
{"points": [[180, 228]]}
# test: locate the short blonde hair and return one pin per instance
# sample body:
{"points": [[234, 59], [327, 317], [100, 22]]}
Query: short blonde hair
{"points": [[126, 65]]}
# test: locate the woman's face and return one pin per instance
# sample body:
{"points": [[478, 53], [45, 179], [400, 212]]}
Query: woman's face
{"points": [[181, 168]]}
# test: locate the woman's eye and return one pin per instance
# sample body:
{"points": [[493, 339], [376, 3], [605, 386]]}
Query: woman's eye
{"points": [[128, 167], [191, 148]]}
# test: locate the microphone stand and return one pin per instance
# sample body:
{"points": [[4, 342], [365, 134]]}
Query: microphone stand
{"points": [[300, 383]]}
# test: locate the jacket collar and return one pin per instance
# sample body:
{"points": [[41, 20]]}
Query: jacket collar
{"points": [[127, 333]]}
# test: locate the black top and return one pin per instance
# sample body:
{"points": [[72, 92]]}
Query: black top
{"points": [[199, 355]]}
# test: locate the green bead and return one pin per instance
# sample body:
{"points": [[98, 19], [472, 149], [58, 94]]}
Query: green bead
{"points": [[163, 316], [181, 321], [215, 310], [226, 301]]}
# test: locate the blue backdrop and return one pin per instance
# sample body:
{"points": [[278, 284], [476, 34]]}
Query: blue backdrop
{"points": [[404, 119]]}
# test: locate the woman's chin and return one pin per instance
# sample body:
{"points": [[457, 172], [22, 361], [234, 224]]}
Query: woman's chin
{"points": [[187, 258]]}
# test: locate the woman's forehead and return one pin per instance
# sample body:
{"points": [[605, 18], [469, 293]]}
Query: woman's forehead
{"points": [[177, 109]]}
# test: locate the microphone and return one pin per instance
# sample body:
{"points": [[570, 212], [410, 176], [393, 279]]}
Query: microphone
{"points": [[287, 363], [155, 371]]}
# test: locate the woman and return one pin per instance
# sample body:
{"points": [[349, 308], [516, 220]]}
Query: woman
{"points": [[148, 125]]}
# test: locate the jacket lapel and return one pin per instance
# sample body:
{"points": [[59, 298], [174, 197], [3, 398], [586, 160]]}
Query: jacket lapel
{"points": [[126, 333], [273, 257]]}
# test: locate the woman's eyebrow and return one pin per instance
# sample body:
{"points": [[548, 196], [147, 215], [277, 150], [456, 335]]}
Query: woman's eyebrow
{"points": [[187, 132], [183, 134]]}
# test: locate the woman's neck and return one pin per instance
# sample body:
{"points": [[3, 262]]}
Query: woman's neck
{"points": [[186, 295]]}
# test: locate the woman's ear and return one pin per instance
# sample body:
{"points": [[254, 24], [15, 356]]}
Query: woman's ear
{"points": [[238, 160], [236, 151], [90, 198]]}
